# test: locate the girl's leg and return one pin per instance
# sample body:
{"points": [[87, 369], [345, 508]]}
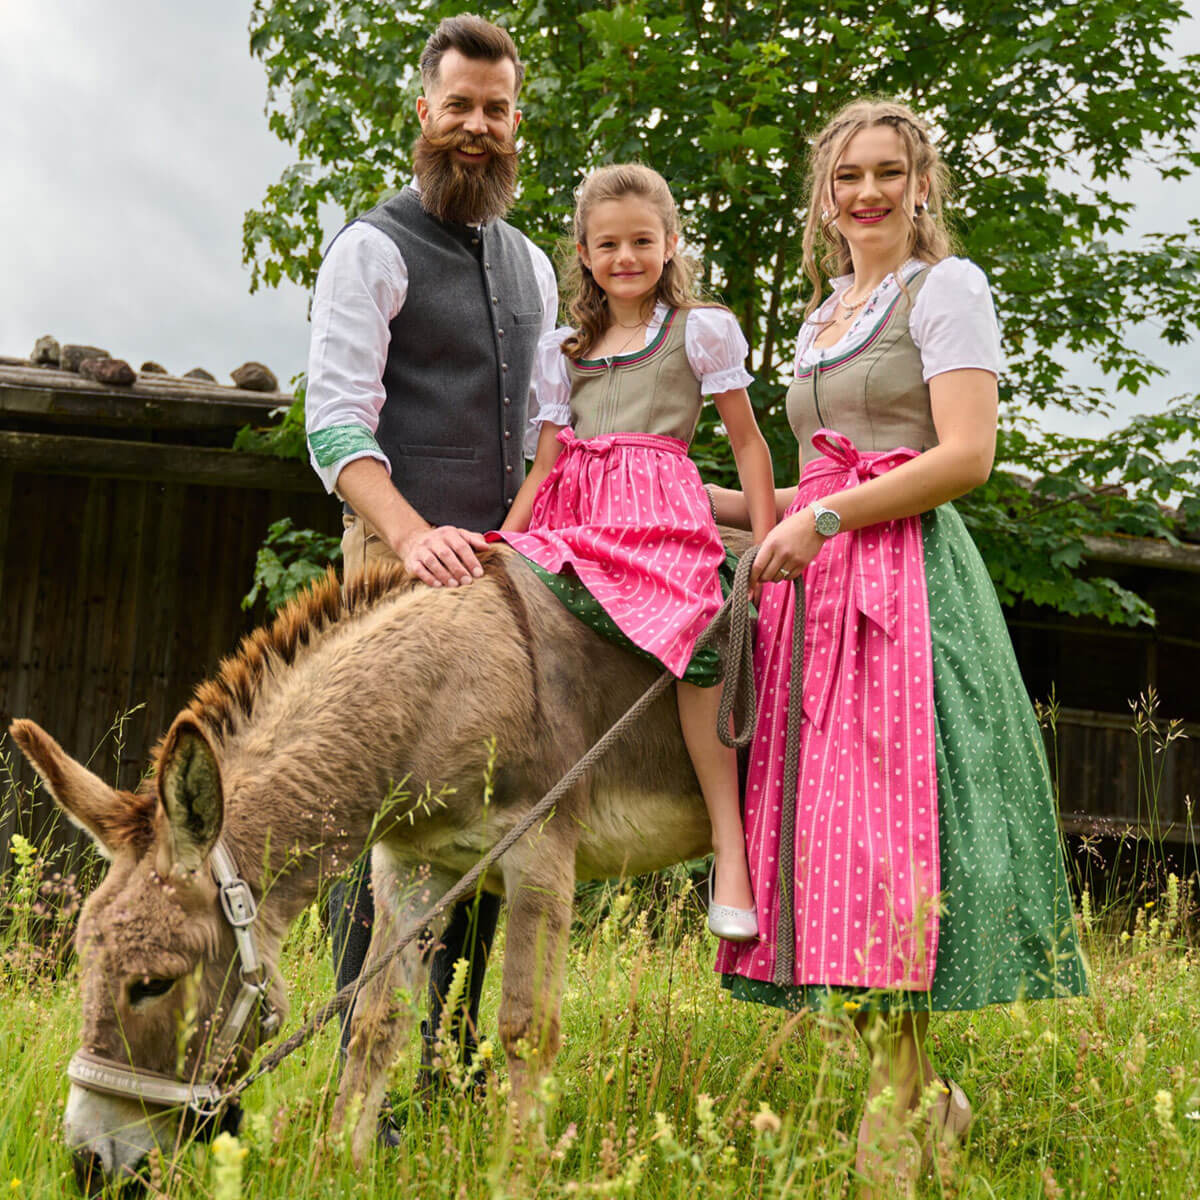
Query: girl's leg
{"points": [[716, 769]]}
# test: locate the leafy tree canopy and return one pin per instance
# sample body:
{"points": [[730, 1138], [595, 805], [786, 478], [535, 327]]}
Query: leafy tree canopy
{"points": [[1041, 108]]}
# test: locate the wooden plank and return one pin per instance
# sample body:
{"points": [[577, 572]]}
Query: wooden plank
{"points": [[6, 500], [1113, 827], [156, 401], [156, 678], [1143, 552], [54, 454], [1119, 721]]}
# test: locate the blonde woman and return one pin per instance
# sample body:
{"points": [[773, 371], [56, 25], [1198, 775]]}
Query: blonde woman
{"points": [[917, 868]]}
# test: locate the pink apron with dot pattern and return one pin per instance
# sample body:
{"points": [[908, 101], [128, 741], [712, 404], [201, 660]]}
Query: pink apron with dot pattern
{"points": [[628, 514], [865, 852]]}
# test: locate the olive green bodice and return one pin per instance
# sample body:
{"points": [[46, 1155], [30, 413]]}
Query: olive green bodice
{"points": [[874, 394], [652, 390]]}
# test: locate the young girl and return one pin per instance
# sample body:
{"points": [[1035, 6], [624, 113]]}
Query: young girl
{"points": [[612, 496], [925, 871]]}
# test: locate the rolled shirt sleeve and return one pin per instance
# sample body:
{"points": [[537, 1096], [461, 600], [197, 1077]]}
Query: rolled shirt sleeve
{"points": [[953, 321], [361, 287], [716, 350]]}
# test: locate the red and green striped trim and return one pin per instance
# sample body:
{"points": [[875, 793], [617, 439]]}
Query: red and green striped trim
{"points": [[634, 356]]}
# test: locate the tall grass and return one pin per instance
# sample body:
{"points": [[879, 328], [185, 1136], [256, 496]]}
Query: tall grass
{"points": [[665, 1087]]}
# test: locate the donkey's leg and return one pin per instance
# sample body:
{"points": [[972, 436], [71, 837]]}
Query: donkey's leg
{"points": [[539, 879], [383, 1012]]}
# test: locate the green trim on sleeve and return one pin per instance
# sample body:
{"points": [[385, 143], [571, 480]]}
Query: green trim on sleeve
{"points": [[340, 441]]}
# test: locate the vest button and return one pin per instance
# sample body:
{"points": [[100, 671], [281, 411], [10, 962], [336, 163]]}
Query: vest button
{"points": [[474, 241], [499, 332], [508, 469], [487, 266], [507, 434], [495, 299], [504, 366], [507, 400]]}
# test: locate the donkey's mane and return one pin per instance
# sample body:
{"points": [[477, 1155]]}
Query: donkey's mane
{"points": [[229, 696], [219, 702]]}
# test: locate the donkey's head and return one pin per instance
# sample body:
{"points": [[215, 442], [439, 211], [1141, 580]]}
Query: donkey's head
{"points": [[158, 959]]}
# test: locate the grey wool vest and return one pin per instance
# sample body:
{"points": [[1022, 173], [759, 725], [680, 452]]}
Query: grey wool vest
{"points": [[458, 365]]}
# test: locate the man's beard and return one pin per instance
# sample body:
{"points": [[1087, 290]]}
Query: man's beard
{"points": [[460, 193]]}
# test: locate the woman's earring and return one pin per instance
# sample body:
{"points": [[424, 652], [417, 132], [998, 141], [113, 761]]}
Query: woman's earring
{"points": [[920, 208]]}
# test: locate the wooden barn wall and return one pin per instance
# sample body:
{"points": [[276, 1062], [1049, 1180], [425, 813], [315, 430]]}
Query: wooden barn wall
{"points": [[1096, 672], [117, 598]]}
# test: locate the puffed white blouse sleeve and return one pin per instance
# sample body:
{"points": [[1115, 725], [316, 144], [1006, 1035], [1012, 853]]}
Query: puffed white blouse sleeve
{"points": [[716, 350], [550, 387], [953, 321]]}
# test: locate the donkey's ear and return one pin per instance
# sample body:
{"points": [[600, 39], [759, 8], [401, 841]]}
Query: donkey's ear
{"points": [[87, 800], [189, 788]]}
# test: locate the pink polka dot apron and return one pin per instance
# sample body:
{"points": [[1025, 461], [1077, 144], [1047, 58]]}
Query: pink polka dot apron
{"points": [[628, 514], [861, 877]]}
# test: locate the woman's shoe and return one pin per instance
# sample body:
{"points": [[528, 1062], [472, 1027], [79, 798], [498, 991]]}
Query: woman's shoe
{"points": [[732, 924], [948, 1120]]}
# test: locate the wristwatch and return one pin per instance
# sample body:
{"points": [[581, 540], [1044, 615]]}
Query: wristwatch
{"points": [[827, 522]]}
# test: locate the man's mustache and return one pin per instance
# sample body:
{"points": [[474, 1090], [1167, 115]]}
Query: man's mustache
{"points": [[460, 139]]}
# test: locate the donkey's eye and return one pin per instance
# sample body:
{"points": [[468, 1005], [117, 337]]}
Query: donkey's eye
{"points": [[141, 990]]}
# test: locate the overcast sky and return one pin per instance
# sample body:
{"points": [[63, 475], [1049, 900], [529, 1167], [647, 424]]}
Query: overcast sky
{"points": [[132, 140]]}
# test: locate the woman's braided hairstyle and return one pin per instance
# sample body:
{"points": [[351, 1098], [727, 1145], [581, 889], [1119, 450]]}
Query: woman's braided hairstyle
{"points": [[928, 238]]}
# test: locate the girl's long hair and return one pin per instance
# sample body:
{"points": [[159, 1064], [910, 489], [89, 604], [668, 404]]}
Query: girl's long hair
{"points": [[825, 250], [587, 304]]}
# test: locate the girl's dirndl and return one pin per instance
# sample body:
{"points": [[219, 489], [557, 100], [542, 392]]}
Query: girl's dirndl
{"points": [[624, 509]]}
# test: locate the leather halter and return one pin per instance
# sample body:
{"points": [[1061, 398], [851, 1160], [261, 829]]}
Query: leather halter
{"points": [[99, 1074]]}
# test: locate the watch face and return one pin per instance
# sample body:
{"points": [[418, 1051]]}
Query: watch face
{"points": [[827, 522]]}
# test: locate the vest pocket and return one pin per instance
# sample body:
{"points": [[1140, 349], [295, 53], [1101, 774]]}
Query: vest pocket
{"points": [[466, 453], [527, 318]]}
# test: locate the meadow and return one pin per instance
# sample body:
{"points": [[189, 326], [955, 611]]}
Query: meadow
{"points": [[666, 1087]]}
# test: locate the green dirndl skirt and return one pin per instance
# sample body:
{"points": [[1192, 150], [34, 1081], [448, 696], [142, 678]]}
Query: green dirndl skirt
{"points": [[1007, 927]]}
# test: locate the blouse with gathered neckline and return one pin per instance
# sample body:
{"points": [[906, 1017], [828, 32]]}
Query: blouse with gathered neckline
{"points": [[716, 352], [953, 321]]}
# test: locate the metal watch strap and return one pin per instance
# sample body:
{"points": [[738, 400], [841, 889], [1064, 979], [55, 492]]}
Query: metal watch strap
{"points": [[830, 527]]}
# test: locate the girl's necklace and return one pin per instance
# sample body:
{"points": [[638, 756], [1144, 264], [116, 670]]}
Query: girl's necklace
{"points": [[640, 327]]}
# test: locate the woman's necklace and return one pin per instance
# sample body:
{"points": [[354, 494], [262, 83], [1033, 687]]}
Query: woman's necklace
{"points": [[851, 309]]}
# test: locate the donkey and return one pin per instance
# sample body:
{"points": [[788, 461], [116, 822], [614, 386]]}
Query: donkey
{"points": [[278, 765]]}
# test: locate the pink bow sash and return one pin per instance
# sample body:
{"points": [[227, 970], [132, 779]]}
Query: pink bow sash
{"points": [[854, 573], [602, 443]]}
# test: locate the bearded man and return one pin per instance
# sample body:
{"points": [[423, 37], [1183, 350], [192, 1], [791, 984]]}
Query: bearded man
{"points": [[426, 316]]}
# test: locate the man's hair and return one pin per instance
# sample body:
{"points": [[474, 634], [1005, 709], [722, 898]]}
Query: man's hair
{"points": [[472, 37]]}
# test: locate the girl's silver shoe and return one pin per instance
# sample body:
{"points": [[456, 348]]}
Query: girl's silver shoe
{"points": [[732, 924]]}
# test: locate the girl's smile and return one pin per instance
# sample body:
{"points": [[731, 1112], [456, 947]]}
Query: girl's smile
{"points": [[626, 250]]}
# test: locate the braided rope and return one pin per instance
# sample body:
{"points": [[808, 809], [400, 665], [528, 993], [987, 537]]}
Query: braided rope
{"points": [[785, 930], [737, 700]]}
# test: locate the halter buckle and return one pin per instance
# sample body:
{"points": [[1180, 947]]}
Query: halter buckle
{"points": [[237, 902]]}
